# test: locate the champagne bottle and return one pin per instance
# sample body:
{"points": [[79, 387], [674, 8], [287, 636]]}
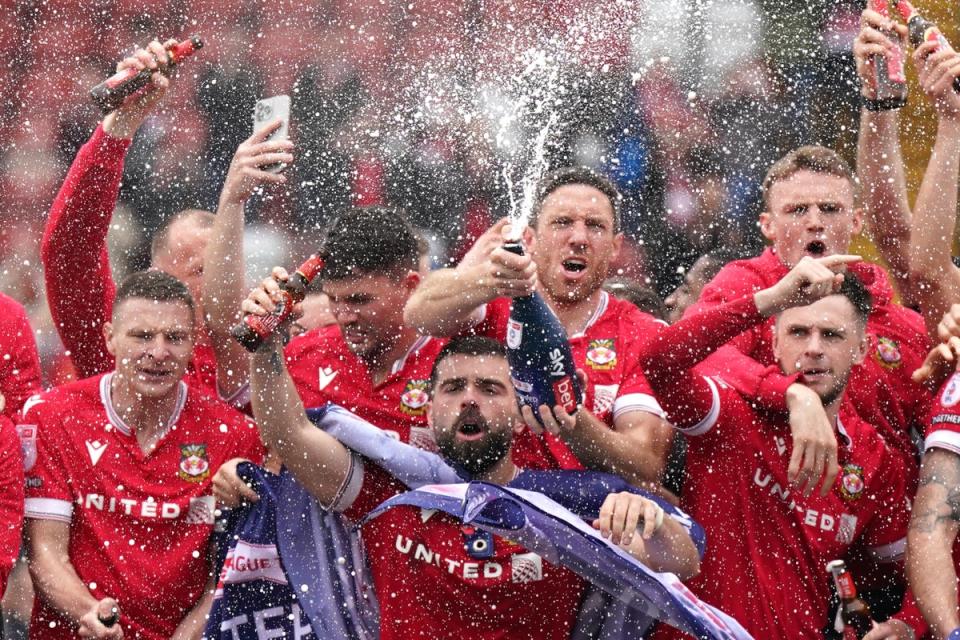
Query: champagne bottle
{"points": [[254, 329], [922, 30], [110, 94], [854, 611], [891, 81], [541, 362]]}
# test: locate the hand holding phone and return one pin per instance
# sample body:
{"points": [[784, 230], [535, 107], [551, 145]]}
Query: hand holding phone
{"points": [[265, 113]]}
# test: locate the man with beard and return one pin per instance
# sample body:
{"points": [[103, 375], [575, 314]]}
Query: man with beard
{"points": [[428, 581], [770, 542], [573, 237]]}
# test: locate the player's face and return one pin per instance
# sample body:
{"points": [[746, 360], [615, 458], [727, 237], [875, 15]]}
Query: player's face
{"points": [[810, 214], [152, 343], [822, 342], [473, 411], [574, 242], [183, 256], [369, 310]]}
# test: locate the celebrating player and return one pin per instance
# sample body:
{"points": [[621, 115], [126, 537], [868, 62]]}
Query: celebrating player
{"points": [[119, 502]]}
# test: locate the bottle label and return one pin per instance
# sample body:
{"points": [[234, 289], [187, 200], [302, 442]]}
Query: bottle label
{"points": [[845, 586], [514, 334], [563, 394], [266, 325]]}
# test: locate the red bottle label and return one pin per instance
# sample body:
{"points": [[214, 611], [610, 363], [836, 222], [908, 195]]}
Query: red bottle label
{"points": [[266, 325], [563, 394]]}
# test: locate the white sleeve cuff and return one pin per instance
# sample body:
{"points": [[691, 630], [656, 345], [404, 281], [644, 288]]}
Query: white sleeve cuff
{"points": [[710, 419], [892, 552], [48, 509], [943, 439], [350, 489], [637, 402]]}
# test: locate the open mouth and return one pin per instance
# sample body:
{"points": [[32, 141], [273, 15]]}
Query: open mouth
{"points": [[471, 425], [815, 374], [153, 374], [574, 265], [816, 248]]}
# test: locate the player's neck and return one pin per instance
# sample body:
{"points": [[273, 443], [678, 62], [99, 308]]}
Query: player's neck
{"points": [[502, 473], [574, 316], [148, 418], [380, 365]]}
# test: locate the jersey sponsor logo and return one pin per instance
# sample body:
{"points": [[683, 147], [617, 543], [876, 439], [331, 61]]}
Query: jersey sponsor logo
{"points": [[28, 444], [847, 530], [30, 403], [247, 562], [514, 334], [888, 353], [851, 482], [602, 355], [201, 510], [951, 392], [143, 509], [810, 517], [326, 376], [459, 568], [413, 401], [604, 395], [781, 444], [194, 465], [95, 448], [526, 567]]}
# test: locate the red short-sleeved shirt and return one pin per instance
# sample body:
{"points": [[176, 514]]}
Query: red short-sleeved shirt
{"points": [[607, 350], [428, 585], [139, 523]]}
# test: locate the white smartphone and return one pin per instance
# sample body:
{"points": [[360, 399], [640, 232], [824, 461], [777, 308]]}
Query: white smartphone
{"points": [[268, 110]]}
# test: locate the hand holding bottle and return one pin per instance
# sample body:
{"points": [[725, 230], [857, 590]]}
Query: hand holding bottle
{"points": [[124, 120]]}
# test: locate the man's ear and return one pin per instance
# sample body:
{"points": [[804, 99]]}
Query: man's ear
{"points": [[766, 226], [108, 337], [862, 349], [857, 221], [529, 238], [429, 407]]}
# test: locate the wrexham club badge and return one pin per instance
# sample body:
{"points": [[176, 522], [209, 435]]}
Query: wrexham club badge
{"points": [[413, 402], [888, 353], [601, 355], [194, 465], [851, 482]]}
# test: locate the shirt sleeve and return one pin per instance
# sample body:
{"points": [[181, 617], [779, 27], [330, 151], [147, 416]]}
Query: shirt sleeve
{"points": [[76, 266], [19, 362], [48, 495], [11, 498], [635, 392], [885, 536], [943, 427]]}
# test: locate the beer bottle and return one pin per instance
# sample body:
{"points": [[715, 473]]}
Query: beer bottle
{"points": [[254, 329], [890, 79], [922, 30], [541, 362], [110, 94], [854, 611]]}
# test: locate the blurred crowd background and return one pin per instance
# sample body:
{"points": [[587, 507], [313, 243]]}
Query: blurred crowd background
{"points": [[435, 105]]}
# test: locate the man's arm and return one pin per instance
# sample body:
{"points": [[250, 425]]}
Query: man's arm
{"points": [[77, 275], [936, 279], [19, 362], [879, 160], [194, 623], [934, 524], [58, 584], [318, 462], [444, 301], [224, 273]]}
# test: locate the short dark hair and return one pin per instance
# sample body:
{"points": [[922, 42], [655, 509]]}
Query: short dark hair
{"points": [[640, 295], [859, 296], [369, 240], [813, 158], [577, 175], [469, 346], [153, 285], [161, 239]]}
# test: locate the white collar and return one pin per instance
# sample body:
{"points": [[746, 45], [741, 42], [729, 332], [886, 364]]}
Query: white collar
{"points": [[122, 426]]}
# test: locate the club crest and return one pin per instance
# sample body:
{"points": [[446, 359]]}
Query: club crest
{"points": [[414, 400], [194, 465], [951, 392], [888, 353], [601, 355], [851, 482]]}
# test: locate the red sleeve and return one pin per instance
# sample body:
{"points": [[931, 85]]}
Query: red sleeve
{"points": [[48, 495], [687, 398], [80, 287], [943, 426], [19, 362], [735, 363], [11, 499], [493, 324]]}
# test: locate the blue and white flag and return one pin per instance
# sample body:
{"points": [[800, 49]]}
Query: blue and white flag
{"points": [[562, 538]]}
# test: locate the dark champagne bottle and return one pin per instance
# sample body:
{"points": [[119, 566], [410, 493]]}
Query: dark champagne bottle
{"points": [[891, 81], [541, 362], [110, 94], [854, 611], [922, 30], [254, 329]]}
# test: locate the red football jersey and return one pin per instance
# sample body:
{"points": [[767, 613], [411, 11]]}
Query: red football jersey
{"points": [[11, 499], [880, 388], [139, 523], [768, 544], [607, 350], [943, 431], [325, 370], [429, 586], [19, 362]]}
